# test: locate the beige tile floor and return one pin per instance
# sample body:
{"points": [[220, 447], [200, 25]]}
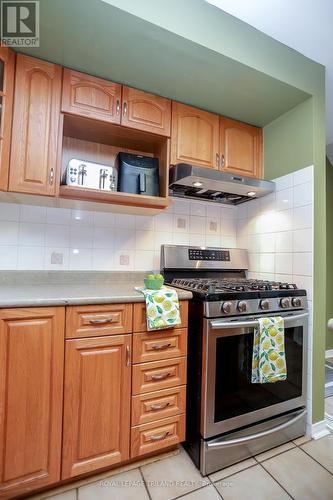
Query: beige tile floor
{"points": [[329, 405], [302, 470]]}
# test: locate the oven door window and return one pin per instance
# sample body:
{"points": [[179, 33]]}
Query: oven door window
{"points": [[234, 392]]}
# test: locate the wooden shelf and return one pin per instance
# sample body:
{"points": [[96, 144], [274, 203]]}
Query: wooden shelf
{"points": [[114, 197]]}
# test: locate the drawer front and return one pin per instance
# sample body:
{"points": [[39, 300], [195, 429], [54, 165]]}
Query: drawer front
{"points": [[153, 346], [158, 405], [157, 435], [140, 321], [149, 377], [95, 321]]}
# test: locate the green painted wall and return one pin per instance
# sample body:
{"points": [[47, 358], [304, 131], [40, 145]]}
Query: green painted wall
{"points": [[329, 242], [288, 141]]}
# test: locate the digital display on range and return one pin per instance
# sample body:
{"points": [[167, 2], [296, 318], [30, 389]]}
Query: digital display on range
{"points": [[200, 254]]}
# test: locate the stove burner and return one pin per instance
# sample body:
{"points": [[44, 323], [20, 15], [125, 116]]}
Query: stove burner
{"points": [[231, 285]]}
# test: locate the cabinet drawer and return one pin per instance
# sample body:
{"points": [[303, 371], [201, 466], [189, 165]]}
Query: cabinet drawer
{"points": [[157, 405], [93, 321], [153, 346], [140, 321], [157, 435], [148, 377]]}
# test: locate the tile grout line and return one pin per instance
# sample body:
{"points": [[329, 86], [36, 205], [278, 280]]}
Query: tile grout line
{"points": [[145, 483], [281, 486]]}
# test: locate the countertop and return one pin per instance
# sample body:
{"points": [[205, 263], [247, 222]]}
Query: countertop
{"points": [[61, 288]]}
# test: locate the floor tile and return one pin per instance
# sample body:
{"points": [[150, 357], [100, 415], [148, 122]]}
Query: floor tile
{"points": [[232, 469], [275, 451], [254, 483], [126, 486], [206, 493], [172, 477], [67, 495], [322, 451], [301, 440], [301, 476]]}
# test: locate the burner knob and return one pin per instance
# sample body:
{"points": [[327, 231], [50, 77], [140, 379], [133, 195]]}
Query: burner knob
{"points": [[264, 304], [242, 306], [296, 302], [226, 307], [285, 302]]}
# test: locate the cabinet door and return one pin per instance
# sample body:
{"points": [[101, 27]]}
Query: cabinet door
{"points": [[241, 147], [147, 112], [97, 403], [33, 163], [89, 96], [31, 391], [194, 136], [7, 62]]}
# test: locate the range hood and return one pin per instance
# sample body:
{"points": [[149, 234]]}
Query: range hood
{"points": [[208, 184]]}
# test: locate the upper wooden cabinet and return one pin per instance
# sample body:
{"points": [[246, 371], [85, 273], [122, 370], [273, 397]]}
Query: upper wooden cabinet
{"points": [[31, 391], [97, 403], [194, 136], [240, 148], [147, 112], [89, 96], [7, 64], [33, 163]]}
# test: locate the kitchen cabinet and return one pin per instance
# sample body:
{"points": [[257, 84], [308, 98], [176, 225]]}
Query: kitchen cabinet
{"points": [[97, 403], [140, 320], [240, 148], [31, 392], [146, 112], [89, 96], [194, 136], [7, 64], [33, 164]]}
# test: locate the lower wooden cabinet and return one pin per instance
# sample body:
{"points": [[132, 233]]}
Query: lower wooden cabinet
{"points": [[31, 392], [97, 403], [158, 405]]}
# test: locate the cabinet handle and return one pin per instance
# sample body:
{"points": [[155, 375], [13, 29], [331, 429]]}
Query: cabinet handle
{"points": [[160, 347], [159, 437], [128, 355], [118, 107], [125, 109], [100, 321], [161, 406], [51, 176], [160, 376], [217, 160], [222, 161]]}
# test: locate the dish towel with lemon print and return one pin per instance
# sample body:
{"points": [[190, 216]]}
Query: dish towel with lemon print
{"points": [[162, 308], [269, 359]]}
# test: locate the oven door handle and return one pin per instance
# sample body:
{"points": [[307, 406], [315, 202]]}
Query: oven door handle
{"points": [[216, 325], [245, 439]]}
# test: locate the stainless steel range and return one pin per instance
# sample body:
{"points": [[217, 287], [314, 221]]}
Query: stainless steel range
{"points": [[228, 417]]}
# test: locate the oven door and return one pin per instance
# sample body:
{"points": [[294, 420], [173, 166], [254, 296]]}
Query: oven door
{"points": [[229, 399]]}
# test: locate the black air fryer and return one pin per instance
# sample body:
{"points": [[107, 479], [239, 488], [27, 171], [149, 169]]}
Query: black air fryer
{"points": [[138, 174]]}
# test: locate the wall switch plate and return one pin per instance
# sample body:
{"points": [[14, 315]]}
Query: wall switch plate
{"points": [[213, 226], [57, 258], [124, 260]]}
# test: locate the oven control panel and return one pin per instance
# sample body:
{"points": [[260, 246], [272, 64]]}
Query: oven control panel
{"points": [[205, 254]]}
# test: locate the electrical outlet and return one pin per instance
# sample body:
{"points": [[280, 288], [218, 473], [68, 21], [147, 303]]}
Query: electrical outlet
{"points": [[57, 258], [213, 226], [124, 260], [181, 223]]}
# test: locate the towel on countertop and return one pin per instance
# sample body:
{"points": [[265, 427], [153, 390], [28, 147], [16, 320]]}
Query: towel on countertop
{"points": [[162, 308], [269, 358]]}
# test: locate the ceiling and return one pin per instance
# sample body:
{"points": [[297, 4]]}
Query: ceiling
{"points": [[133, 51], [303, 25]]}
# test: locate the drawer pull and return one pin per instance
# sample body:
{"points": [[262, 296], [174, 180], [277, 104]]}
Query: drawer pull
{"points": [[160, 376], [160, 347], [159, 437], [100, 321], [161, 406]]}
